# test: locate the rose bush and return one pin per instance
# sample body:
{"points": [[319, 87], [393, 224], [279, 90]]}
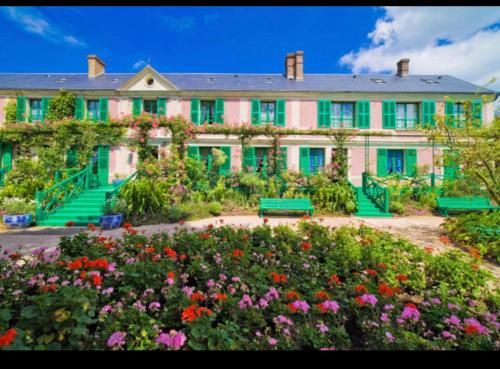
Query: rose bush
{"points": [[245, 289]]}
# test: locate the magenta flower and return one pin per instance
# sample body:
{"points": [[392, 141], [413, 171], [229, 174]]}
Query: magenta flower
{"points": [[174, 340], [453, 307], [188, 291], [281, 319], [272, 341], [331, 305], [452, 320], [435, 301], [481, 328], [384, 317], [389, 336], [301, 305], [370, 299], [327, 349], [117, 339], [210, 283], [388, 307], [410, 312], [323, 328], [245, 302], [448, 335], [155, 305]]}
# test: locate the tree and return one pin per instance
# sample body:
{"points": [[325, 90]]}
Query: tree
{"points": [[473, 148], [62, 106], [10, 111]]}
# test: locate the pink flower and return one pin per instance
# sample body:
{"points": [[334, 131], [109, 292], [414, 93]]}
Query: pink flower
{"points": [[327, 349], [245, 302], [448, 335], [210, 283], [388, 307], [281, 319], [389, 336], [272, 341], [117, 339], [173, 339], [301, 305], [236, 279], [155, 305], [410, 312], [188, 291], [452, 320], [322, 328], [331, 305], [384, 317], [480, 328], [370, 299]]}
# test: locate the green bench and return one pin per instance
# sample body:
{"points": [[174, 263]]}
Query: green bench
{"points": [[446, 204], [286, 204]]}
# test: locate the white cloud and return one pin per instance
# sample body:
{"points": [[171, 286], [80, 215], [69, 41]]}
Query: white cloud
{"points": [[139, 64], [470, 52], [33, 21]]}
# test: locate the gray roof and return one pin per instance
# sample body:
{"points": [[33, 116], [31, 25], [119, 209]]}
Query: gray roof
{"points": [[247, 82]]}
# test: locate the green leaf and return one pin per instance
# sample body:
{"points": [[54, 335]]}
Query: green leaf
{"points": [[28, 312], [5, 315]]}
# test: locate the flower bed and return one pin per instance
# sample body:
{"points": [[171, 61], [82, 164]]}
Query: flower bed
{"points": [[232, 288]]}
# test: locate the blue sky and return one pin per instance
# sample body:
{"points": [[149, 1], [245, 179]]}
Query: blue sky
{"points": [[464, 42]]}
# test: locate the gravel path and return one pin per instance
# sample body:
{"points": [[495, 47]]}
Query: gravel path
{"points": [[421, 230]]}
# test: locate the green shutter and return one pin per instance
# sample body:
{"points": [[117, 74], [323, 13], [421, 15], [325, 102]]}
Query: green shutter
{"points": [[450, 167], [411, 162], [304, 160], [381, 162], [161, 106], [103, 165], [249, 159], [363, 114], [389, 114], [283, 158], [21, 109], [71, 158], [219, 111], [45, 106], [255, 116], [448, 112], [103, 109], [194, 152], [280, 113], [324, 114], [136, 106], [7, 157], [79, 108], [195, 111], [226, 167], [428, 112], [477, 110]]}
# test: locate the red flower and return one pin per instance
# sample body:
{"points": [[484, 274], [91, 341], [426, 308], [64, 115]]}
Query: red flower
{"points": [[83, 275], [49, 287], [197, 296], [69, 224], [428, 249], [266, 220], [171, 275], [371, 272], [360, 288], [220, 297], [292, 295], [334, 279], [210, 227], [445, 240], [471, 329], [474, 252], [305, 245], [382, 266], [91, 227], [246, 237], [401, 277], [182, 221], [149, 250], [385, 290], [170, 253], [182, 257], [237, 252], [278, 277], [8, 337], [322, 295], [292, 308], [127, 225], [322, 308], [269, 254], [359, 300], [192, 312], [101, 238], [204, 235], [97, 280]]}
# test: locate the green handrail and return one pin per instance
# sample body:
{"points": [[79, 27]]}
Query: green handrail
{"points": [[357, 192], [114, 192], [49, 200], [2, 176], [377, 193]]}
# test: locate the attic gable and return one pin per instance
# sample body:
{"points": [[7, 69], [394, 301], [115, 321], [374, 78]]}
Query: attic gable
{"points": [[148, 79]]}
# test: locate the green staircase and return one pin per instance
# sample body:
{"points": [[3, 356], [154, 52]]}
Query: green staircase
{"points": [[84, 209], [367, 208]]}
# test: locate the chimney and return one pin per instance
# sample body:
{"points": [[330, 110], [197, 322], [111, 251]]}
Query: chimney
{"points": [[299, 65], [403, 67], [290, 65], [96, 66]]}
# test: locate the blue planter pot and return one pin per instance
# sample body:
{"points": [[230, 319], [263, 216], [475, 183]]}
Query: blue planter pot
{"points": [[18, 221], [117, 182], [111, 221]]}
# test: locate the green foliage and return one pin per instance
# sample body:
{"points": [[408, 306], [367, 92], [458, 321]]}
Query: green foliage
{"points": [[10, 111], [479, 231], [27, 177], [15, 205], [145, 197], [215, 208], [62, 106], [115, 206]]}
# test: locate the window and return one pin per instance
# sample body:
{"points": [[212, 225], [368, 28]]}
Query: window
{"points": [[342, 115], [458, 115], [395, 162], [316, 160], [206, 156], [150, 106], [93, 109], [378, 80], [406, 116], [261, 158], [267, 111], [35, 110], [207, 111]]}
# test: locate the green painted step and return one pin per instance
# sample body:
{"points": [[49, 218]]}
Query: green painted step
{"points": [[367, 208], [84, 209]]}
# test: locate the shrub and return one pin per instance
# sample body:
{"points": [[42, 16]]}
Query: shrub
{"points": [[334, 197], [15, 206], [62, 106], [215, 208], [115, 206], [174, 214], [479, 231], [10, 111]]}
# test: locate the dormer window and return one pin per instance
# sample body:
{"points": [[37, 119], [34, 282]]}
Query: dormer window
{"points": [[210, 80], [378, 80], [430, 81], [268, 80], [150, 81]]}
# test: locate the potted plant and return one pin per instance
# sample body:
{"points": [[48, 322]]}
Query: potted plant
{"points": [[119, 178], [18, 212], [113, 210]]}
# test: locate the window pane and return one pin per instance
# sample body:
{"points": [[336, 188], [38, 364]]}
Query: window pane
{"points": [[412, 111], [336, 110], [150, 106], [93, 109], [401, 111], [267, 111], [347, 110]]}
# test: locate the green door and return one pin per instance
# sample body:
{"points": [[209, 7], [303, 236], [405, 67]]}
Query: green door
{"points": [[100, 166]]}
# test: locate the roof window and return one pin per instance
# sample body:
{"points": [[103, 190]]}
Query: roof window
{"points": [[268, 79], [210, 80], [61, 79], [430, 81], [378, 80]]}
